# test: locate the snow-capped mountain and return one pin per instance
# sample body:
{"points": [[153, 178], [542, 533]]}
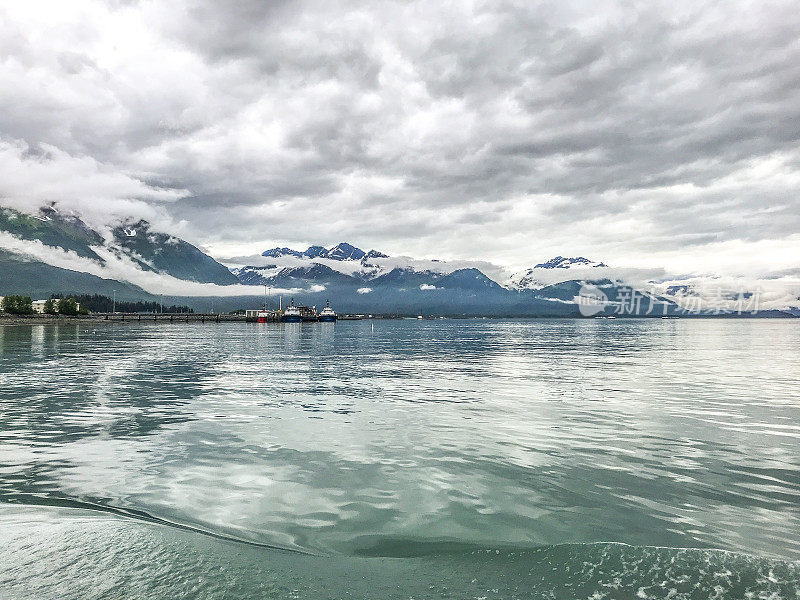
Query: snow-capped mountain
{"points": [[525, 280], [543, 274], [292, 276], [352, 261], [562, 262], [425, 285], [320, 264], [54, 251], [342, 251], [162, 253], [347, 266]]}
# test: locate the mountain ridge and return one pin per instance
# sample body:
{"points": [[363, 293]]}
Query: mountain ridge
{"points": [[352, 278], [135, 241], [341, 251]]}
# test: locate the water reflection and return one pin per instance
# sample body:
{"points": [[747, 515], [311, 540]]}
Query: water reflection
{"points": [[323, 436]]}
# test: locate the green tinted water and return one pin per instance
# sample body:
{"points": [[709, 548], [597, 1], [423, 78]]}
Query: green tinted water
{"points": [[458, 459]]}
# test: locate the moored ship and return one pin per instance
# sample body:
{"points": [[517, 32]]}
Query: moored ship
{"points": [[327, 314], [292, 314]]}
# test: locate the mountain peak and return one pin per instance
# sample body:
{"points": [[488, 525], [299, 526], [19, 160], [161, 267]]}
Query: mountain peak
{"points": [[562, 262], [315, 251], [164, 253], [345, 251], [469, 278], [531, 278], [341, 251], [279, 252]]}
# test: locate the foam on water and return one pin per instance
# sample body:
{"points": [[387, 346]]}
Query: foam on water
{"points": [[455, 459], [65, 554]]}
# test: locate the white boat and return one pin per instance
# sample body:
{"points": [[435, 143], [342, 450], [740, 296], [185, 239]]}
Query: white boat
{"points": [[327, 314], [292, 314]]}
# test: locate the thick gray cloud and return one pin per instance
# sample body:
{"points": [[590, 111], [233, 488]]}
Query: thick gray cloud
{"points": [[638, 134]]}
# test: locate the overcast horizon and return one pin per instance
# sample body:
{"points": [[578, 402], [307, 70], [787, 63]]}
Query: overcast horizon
{"points": [[664, 135]]}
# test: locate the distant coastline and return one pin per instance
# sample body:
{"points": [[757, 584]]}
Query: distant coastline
{"points": [[178, 318]]}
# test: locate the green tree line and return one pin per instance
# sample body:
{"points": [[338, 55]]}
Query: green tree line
{"points": [[81, 304], [18, 305], [23, 305], [66, 306], [100, 303]]}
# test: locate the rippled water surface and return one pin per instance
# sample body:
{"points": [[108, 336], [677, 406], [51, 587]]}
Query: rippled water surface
{"points": [[459, 459]]}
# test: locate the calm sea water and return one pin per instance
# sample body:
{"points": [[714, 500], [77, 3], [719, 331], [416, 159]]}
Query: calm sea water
{"points": [[401, 459]]}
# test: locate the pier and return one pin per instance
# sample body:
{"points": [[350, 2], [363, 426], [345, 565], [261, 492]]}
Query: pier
{"points": [[172, 317]]}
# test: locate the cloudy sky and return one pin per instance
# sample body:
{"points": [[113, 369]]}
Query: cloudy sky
{"points": [[639, 134]]}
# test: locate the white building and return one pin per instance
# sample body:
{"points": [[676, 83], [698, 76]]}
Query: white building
{"points": [[38, 305]]}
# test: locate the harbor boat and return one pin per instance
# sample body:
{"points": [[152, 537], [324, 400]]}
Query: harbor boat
{"points": [[327, 314], [292, 314], [262, 317], [309, 313]]}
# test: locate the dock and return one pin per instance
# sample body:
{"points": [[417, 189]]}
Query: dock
{"points": [[172, 317]]}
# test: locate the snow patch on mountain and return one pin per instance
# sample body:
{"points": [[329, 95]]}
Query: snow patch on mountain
{"points": [[561, 262], [120, 267], [256, 275], [351, 261], [553, 271], [341, 252], [696, 292], [525, 280]]}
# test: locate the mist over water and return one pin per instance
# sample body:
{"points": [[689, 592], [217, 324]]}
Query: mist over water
{"points": [[473, 458]]}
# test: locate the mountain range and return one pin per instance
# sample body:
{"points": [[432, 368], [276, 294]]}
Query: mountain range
{"points": [[52, 252]]}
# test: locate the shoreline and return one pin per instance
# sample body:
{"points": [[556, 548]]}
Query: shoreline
{"points": [[40, 319], [50, 319]]}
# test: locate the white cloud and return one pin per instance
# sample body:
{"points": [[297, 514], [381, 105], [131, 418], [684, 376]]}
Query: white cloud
{"points": [[745, 294], [646, 136], [100, 194], [122, 268], [364, 290], [373, 268]]}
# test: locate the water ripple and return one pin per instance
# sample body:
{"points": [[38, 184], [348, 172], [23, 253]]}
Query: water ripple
{"points": [[668, 433]]}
